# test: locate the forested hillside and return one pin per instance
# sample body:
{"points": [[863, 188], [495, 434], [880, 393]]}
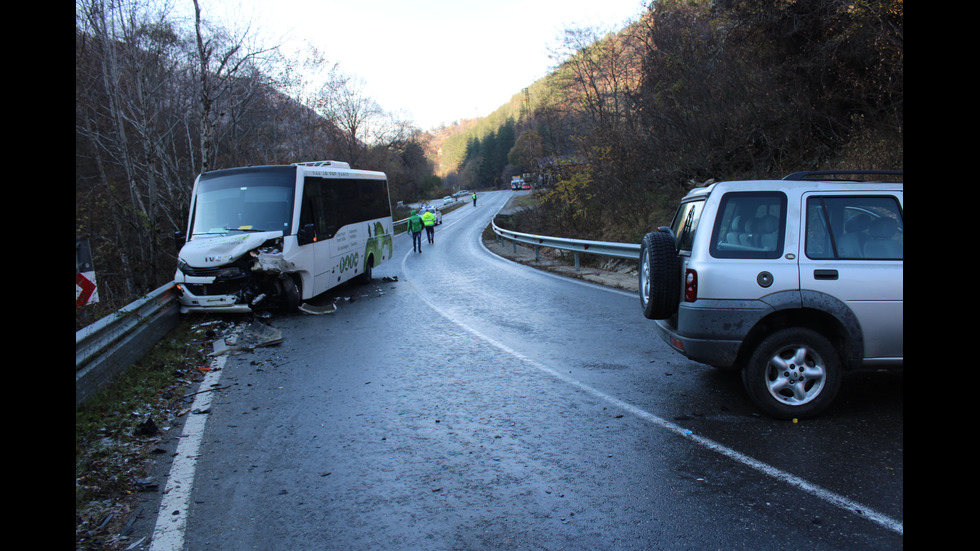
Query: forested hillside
{"points": [[697, 90]]}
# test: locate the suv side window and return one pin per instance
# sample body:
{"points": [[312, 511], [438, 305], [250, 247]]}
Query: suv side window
{"points": [[685, 224], [750, 225], [854, 227]]}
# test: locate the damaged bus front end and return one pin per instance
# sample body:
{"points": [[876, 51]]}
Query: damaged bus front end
{"points": [[236, 274], [239, 253]]}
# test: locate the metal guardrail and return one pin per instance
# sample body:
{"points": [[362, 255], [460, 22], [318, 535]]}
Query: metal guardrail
{"points": [[107, 347], [577, 246]]}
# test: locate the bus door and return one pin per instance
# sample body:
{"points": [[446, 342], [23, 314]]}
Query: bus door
{"points": [[318, 210]]}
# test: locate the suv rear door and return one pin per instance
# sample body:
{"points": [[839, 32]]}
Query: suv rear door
{"points": [[751, 252], [853, 251]]}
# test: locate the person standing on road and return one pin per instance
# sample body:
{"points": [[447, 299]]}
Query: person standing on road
{"points": [[474, 198], [415, 228], [429, 221]]}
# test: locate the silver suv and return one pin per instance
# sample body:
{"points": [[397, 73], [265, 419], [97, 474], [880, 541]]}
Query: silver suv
{"points": [[791, 281]]}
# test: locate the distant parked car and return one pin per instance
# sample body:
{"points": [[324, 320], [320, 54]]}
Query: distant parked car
{"points": [[448, 200], [433, 210]]}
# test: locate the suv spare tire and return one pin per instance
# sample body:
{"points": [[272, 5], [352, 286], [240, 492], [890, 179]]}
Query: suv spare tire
{"points": [[659, 276]]}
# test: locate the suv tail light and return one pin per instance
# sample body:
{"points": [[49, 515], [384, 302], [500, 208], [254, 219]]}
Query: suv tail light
{"points": [[690, 285]]}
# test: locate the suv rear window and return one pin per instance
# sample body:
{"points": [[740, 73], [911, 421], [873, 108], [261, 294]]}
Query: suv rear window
{"points": [[750, 225]]}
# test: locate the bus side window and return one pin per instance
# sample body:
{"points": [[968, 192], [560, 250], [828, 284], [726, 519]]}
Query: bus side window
{"points": [[330, 204], [306, 217]]}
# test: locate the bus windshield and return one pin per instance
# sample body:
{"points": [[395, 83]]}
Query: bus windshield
{"points": [[244, 200]]}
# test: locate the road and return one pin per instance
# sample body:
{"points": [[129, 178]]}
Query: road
{"points": [[478, 404]]}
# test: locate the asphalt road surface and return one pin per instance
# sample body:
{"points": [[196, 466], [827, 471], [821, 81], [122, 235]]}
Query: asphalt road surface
{"points": [[478, 404]]}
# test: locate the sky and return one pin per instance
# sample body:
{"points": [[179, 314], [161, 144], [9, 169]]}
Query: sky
{"points": [[429, 61]]}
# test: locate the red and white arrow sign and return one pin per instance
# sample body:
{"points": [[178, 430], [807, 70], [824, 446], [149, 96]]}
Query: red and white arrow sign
{"points": [[85, 289]]}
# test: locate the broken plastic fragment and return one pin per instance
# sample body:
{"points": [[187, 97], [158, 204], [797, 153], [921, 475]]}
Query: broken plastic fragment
{"points": [[272, 263], [318, 310]]}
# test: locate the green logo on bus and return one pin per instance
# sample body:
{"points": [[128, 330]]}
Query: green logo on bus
{"points": [[349, 262], [379, 245]]}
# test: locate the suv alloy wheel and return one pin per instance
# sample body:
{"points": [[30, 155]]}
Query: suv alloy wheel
{"points": [[794, 372]]}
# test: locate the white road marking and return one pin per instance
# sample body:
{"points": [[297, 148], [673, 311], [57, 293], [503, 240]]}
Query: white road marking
{"points": [[168, 534], [834, 499]]}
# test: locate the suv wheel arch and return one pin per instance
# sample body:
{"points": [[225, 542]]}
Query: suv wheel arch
{"points": [[830, 327], [852, 337]]}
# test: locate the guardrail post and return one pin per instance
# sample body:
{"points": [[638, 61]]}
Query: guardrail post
{"points": [[576, 261], [537, 257]]}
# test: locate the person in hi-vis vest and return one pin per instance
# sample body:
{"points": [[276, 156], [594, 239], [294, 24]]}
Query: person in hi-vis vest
{"points": [[429, 221]]}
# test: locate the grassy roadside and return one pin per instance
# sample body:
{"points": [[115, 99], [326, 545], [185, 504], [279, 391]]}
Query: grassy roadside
{"points": [[523, 200], [610, 272], [117, 431]]}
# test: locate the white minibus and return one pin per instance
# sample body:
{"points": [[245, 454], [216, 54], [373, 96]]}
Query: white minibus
{"points": [[274, 236]]}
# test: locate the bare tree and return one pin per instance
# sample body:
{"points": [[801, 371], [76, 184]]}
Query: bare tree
{"points": [[316, 84], [125, 114], [599, 71], [222, 59], [598, 77], [353, 111]]}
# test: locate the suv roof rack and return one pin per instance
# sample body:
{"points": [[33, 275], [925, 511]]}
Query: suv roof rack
{"points": [[809, 174]]}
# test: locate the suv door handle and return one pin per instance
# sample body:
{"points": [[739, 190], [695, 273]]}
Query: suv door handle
{"points": [[825, 274]]}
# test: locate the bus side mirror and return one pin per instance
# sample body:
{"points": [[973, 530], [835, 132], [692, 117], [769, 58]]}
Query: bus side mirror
{"points": [[178, 240], [306, 235]]}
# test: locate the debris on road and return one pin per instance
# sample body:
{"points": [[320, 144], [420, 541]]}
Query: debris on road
{"points": [[255, 335], [146, 428], [308, 308]]}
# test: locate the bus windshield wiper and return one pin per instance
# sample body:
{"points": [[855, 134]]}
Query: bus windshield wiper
{"points": [[225, 231], [245, 228]]}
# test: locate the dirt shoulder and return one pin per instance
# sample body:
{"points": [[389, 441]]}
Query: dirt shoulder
{"points": [[611, 272]]}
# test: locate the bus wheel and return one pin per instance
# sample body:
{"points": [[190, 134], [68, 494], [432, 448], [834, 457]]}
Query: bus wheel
{"points": [[288, 294], [368, 271]]}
